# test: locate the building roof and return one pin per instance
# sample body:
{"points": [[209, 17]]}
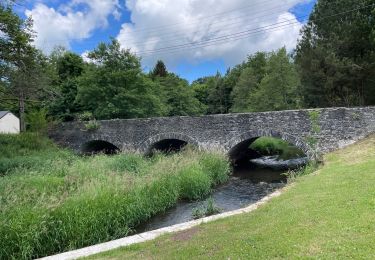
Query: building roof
{"points": [[3, 113]]}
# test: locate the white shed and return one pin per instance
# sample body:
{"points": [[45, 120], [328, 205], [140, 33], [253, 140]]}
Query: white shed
{"points": [[9, 123]]}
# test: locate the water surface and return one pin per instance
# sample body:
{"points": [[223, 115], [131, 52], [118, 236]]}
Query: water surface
{"points": [[246, 186]]}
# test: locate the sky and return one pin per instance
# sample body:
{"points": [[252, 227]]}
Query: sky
{"points": [[194, 38]]}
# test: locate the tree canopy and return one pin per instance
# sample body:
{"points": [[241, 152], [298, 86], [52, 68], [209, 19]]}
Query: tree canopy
{"points": [[336, 55], [333, 65]]}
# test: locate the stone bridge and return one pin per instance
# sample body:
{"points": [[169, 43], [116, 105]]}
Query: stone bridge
{"points": [[230, 133]]}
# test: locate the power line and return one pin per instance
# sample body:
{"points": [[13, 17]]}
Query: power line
{"points": [[234, 36], [224, 37], [206, 17], [240, 34], [279, 7], [223, 41], [223, 26]]}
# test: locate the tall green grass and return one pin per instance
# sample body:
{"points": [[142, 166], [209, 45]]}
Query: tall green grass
{"points": [[276, 146], [53, 201], [28, 151]]}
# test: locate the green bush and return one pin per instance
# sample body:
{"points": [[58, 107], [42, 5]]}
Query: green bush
{"points": [[85, 116], [37, 121], [92, 125]]}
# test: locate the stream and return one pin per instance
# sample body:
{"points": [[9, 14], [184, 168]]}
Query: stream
{"points": [[247, 185]]}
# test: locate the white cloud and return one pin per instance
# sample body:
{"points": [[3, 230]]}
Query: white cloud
{"points": [[160, 24], [75, 20], [85, 56]]}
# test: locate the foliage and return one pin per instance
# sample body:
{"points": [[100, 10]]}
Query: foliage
{"points": [[194, 183], [27, 150], [178, 96], [92, 125], [336, 57], [311, 140], [208, 210], [201, 90], [67, 67], [59, 201], [268, 83], [332, 66], [253, 71], [276, 146], [110, 87], [85, 116], [219, 101], [23, 144], [23, 73], [294, 175], [37, 121], [217, 168], [160, 70]]}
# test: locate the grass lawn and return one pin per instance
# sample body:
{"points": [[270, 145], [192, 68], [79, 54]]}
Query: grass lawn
{"points": [[326, 215]]}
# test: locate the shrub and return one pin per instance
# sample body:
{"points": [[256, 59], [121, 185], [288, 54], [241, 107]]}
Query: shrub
{"points": [[37, 121], [85, 116], [92, 125]]}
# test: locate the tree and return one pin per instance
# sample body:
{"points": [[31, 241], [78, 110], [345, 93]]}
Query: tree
{"points": [[201, 88], [178, 97], [278, 88], [251, 74], [68, 67], [219, 95], [21, 65], [336, 55], [268, 82], [241, 95], [160, 70], [113, 85]]}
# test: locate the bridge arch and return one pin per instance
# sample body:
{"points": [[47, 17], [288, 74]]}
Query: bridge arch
{"points": [[238, 144], [98, 146], [167, 141]]}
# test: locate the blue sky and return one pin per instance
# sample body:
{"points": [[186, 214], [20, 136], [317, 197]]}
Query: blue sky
{"points": [[151, 28]]}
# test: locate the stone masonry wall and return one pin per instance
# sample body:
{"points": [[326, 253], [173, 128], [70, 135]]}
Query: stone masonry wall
{"points": [[339, 127]]}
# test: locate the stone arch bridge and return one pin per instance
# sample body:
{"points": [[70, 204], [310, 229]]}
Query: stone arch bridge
{"points": [[230, 133]]}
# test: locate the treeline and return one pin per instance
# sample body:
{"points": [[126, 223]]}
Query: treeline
{"points": [[333, 65]]}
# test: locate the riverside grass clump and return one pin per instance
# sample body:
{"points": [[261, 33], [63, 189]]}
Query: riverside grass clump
{"points": [[52, 200], [276, 146]]}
